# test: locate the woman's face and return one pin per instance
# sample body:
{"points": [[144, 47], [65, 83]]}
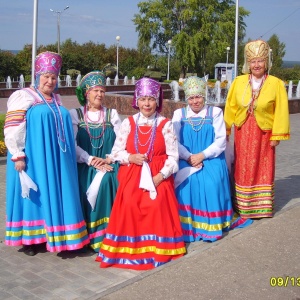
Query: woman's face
{"points": [[147, 106], [257, 67], [95, 98], [196, 103], [47, 83]]}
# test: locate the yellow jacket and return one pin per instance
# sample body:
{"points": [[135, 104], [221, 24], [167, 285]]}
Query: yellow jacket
{"points": [[272, 110]]}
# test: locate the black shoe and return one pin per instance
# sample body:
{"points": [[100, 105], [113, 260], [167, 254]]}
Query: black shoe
{"points": [[29, 250]]}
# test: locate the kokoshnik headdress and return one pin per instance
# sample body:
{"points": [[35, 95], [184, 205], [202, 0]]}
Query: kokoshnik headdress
{"points": [[147, 87], [89, 81], [46, 62], [257, 49], [194, 86]]}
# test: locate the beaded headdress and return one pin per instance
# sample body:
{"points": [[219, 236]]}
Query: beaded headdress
{"points": [[90, 80], [257, 49], [194, 86], [147, 87], [47, 62]]}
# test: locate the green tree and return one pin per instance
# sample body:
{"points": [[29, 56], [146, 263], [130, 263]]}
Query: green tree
{"points": [[197, 28], [278, 52], [8, 65]]}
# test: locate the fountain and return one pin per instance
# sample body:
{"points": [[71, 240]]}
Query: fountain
{"points": [[217, 89], [68, 80], [125, 80], [290, 90], [58, 82], [133, 80], [116, 81], [175, 90], [107, 81], [78, 79], [298, 90], [8, 82], [21, 82]]}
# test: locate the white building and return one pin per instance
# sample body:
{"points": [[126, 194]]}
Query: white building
{"points": [[224, 71]]}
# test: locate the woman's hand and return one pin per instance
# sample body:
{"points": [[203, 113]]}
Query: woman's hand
{"points": [[137, 159], [274, 143], [196, 160], [97, 162], [108, 160], [105, 167], [20, 164], [158, 179]]}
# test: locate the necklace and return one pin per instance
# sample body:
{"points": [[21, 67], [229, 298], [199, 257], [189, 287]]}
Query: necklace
{"points": [[93, 124], [144, 133], [251, 105], [149, 141], [60, 138], [194, 125], [101, 113]]}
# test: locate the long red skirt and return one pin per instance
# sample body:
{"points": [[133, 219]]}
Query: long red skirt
{"points": [[143, 233], [254, 170]]}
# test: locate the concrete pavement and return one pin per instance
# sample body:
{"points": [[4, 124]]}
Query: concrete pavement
{"points": [[240, 265]]}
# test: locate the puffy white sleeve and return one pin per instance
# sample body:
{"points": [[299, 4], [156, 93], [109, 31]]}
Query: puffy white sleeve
{"points": [[115, 120], [171, 163], [15, 123], [219, 144], [119, 152], [176, 120], [81, 155]]}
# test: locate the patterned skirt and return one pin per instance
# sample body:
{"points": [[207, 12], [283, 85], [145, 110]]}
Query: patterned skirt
{"points": [[254, 171]]}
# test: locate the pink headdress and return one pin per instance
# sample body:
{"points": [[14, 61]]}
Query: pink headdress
{"points": [[147, 87], [47, 62]]}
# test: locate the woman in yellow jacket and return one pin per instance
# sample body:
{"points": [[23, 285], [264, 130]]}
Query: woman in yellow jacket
{"points": [[257, 106]]}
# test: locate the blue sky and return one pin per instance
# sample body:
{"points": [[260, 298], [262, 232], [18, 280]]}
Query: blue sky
{"points": [[101, 21]]}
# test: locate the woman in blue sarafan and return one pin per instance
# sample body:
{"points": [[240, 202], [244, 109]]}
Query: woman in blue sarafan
{"points": [[202, 182], [42, 195]]}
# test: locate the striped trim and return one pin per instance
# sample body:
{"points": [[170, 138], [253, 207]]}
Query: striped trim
{"points": [[255, 201], [14, 118]]}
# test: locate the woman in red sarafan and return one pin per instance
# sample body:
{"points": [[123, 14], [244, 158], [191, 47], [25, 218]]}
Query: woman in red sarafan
{"points": [[144, 231]]}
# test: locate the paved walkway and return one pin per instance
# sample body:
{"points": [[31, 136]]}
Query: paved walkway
{"points": [[238, 266]]}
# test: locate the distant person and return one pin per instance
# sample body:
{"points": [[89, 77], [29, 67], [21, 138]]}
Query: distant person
{"points": [[95, 128], [42, 196], [257, 106], [144, 229], [202, 182]]}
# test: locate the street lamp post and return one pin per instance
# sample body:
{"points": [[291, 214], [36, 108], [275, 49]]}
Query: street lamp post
{"points": [[169, 45], [236, 40], [118, 40], [227, 50], [58, 13]]}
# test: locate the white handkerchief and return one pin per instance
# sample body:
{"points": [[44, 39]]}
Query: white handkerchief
{"points": [[146, 181], [93, 189], [26, 184], [183, 174]]}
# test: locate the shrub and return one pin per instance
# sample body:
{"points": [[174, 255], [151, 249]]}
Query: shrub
{"points": [[3, 149]]}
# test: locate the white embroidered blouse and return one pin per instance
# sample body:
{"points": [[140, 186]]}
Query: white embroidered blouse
{"points": [[15, 123], [81, 155], [119, 152], [219, 144]]}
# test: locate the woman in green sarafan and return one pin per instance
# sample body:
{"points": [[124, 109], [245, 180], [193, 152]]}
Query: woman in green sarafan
{"points": [[95, 128]]}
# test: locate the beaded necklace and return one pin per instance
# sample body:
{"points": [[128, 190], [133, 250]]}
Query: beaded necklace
{"points": [[150, 140], [58, 134], [101, 135], [251, 105], [194, 125]]}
